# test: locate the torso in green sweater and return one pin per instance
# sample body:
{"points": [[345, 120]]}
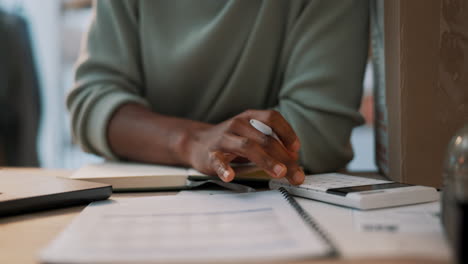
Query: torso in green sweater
{"points": [[210, 60]]}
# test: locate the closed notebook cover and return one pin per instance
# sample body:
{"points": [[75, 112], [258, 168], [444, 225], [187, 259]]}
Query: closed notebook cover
{"points": [[21, 192], [134, 176], [139, 176]]}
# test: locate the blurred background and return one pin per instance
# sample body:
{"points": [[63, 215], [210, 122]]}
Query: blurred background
{"points": [[41, 42]]}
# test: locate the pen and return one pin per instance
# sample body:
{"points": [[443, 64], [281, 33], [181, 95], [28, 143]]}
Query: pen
{"points": [[265, 129]]}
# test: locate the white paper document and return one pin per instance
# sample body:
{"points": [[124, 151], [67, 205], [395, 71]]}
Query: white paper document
{"points": [[420, 218], [232, 227]]}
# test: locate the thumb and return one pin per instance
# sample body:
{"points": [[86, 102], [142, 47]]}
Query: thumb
{"points": [[220, 164]]}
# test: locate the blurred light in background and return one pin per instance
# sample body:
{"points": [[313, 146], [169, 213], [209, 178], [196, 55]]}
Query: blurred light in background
{"points": [[56, 27]]}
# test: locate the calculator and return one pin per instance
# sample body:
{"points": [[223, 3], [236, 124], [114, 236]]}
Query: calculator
{"points": [[357, 192]]}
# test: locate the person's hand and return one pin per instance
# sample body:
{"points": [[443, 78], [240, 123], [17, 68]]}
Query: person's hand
{"points": [[211, 149]]}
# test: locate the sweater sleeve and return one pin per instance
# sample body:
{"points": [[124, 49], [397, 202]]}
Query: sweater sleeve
{"points": [[325, 56], [108, 74]]}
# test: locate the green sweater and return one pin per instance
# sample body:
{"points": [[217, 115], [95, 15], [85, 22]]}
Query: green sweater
{"points": [[210, 60]]}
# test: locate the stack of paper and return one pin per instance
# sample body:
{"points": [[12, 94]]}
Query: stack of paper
{"points": [[234, 227]]}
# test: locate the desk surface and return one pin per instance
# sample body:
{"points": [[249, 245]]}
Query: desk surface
{"points": [[23, 236]]}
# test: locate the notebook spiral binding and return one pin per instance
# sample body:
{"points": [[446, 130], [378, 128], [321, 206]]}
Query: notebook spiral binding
{"points": [[310, 221]]}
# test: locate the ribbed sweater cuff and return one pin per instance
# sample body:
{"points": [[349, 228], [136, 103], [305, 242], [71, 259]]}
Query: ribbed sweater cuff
{"points": [[100, 116]]}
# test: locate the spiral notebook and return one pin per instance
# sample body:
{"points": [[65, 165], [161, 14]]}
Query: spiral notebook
{"points": [[260, 226]]}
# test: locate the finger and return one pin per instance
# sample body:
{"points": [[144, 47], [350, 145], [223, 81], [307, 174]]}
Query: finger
{"points": [[248, 148], [271, 145], [296, 177], [294, 174], [219, 163], [275, 149], [279, 125]]}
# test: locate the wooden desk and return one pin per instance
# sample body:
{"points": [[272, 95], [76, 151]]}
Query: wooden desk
{"points": [[23, 236]]}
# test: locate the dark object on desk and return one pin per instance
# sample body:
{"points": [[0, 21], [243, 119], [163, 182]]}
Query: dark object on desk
{"points": [[455, 195], [22, 193], [20, 107]]}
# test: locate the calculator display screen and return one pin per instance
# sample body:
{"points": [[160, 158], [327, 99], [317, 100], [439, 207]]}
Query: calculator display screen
{"points": [[363, 188]]}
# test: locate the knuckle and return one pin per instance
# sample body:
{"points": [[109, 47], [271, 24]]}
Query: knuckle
{"points": [[249, 112], [267, 161], [233, 124], [273, 115], [212, 157], [246, 143], [225, 137], [265, 140]]}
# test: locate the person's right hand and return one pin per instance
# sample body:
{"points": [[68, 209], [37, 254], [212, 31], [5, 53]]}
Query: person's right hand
{"points": [[210, 149]]}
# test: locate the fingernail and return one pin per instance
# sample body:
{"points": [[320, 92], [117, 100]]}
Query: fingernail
{"points": [[278, 169], [296, 145], [225, 174]]}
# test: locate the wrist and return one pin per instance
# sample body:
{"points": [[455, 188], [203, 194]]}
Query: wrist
{"points": [[186, 142], [181, 147]]}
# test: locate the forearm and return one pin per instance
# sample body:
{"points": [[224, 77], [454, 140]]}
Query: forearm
{"points": [[136, 133]]}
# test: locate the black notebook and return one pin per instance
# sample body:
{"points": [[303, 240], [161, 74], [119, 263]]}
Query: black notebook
{"points": [[23, 192], [259, 226]]}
